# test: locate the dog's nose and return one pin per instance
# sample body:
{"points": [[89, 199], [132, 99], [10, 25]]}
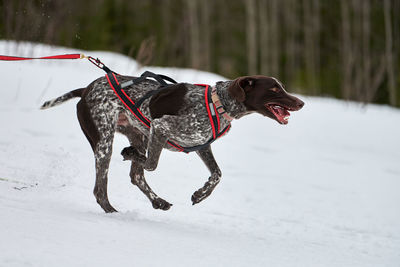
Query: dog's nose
{"points": [[300, 104]]}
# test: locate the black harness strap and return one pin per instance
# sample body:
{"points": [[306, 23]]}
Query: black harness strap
{"points": [[158, 77], [161, 79], [127, 101]]}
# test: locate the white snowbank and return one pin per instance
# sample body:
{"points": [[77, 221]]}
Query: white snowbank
{"points": [[321, 191]]}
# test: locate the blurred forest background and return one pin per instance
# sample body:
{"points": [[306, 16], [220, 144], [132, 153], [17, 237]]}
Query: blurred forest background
{"points": [[347, 49]]}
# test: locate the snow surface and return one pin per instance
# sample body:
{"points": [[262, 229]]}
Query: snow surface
{"points": [[321, 191]]}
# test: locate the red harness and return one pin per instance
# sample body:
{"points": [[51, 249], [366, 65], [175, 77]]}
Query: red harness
{"points": [[134, 108]]}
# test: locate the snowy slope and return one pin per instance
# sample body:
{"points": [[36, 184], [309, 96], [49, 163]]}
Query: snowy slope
{"points": [[321, 191]]}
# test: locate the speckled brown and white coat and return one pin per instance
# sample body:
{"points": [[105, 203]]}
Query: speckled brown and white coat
{"points": [[178, 113]]}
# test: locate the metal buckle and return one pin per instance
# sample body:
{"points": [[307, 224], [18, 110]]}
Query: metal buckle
{"points": [[96, 62]]}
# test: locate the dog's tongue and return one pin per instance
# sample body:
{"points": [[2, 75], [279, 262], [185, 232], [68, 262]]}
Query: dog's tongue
{"points": [[281, 113]]}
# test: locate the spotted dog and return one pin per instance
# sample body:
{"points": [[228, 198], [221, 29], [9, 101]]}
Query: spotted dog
{"points": [[178, 113]]}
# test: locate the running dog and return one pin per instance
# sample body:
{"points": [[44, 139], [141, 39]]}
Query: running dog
{"points": [[178, 114]]}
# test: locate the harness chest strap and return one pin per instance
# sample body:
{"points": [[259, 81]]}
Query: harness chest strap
{"points": [[134, 108], [220, 108]]}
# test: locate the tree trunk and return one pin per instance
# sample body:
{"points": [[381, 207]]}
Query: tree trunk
{"points": [[366, 55], [317, 34], [346, 50], [310, 45], [291, 21], [166, 46], [275, 38], [206, 34], [251, 36], [264, 37], [194, 32], [389, 54], [358, 71]]}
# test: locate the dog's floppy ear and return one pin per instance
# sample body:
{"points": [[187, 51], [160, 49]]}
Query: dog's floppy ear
{"points": [[240, 86]]}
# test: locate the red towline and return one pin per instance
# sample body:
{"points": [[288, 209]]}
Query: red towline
{"points": [[65, 56]]}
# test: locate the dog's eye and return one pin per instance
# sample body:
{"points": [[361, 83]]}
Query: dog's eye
{"points": [[274, 89]]}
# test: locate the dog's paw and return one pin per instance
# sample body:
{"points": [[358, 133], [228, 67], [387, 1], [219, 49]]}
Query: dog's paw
{"points": [[160, 203], [199, 196], [207, 189], [131, 153]]}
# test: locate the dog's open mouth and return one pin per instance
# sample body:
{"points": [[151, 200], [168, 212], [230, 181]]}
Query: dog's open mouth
{"points": [[281, 113]]}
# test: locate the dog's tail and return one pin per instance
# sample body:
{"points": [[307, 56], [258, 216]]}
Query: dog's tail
{"points": [[62, 99]]}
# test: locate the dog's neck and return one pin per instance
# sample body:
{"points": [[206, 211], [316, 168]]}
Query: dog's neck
{"points": [[234, 108]]}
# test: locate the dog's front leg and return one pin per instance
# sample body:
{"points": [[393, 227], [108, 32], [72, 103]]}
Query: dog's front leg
{"points": [[157, 140], [208, 158]]}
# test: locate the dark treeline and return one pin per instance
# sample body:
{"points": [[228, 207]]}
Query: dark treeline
{"points": [[345, 48]]}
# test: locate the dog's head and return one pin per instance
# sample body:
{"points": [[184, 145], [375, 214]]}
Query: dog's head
{"points": [[265, 95]]}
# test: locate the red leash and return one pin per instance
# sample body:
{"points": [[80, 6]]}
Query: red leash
{"points": [[92, 60], [66, 56]]}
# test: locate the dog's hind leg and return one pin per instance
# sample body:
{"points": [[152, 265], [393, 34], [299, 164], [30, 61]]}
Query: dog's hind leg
{"points": [[136, 153], [207, 156], [99, 128], [102, 158]]}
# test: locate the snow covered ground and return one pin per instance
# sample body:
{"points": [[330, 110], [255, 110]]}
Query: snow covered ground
{"points": [[321, 191]]}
